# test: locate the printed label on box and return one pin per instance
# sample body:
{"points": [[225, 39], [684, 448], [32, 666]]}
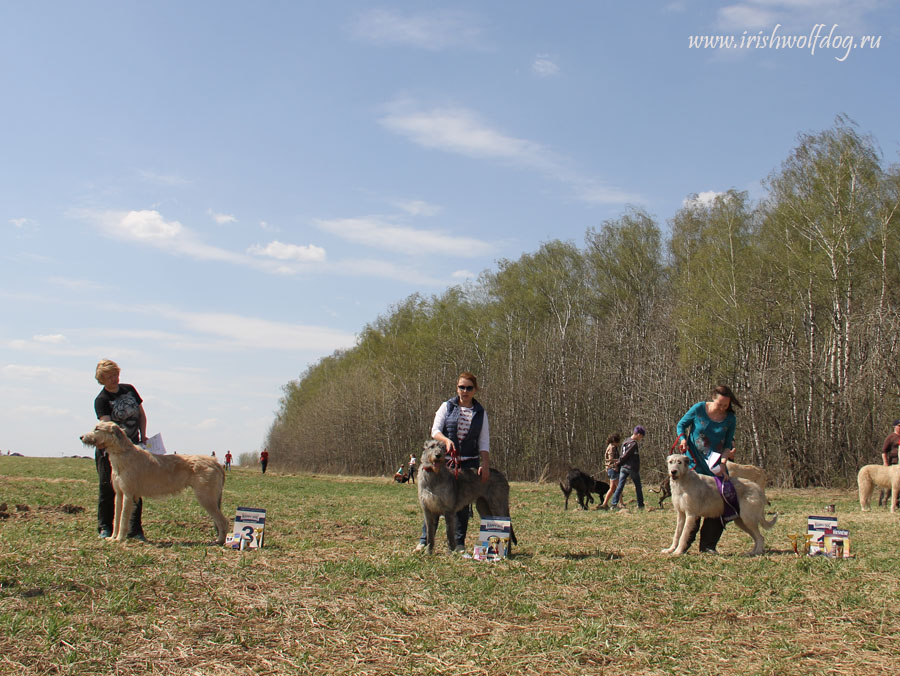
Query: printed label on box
{"points": [[493, 538], [249, 529]]}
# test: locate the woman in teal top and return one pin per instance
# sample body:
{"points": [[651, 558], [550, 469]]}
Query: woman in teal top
{"points": [[709, 426]]}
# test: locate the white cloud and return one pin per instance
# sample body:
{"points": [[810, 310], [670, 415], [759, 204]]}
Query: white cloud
{"points": [[544, 66], [221, 219], [42, 412], [208, 424], [148, 227], [433, 31], [77, 284], [745, 17], [22, 372], [251, 332], [373, 232], [370, 267], [704, 199], [456, 130], [21, 223], [463, 274], [462, 132], [289, 252], [162, 179], [850, 15], [52, 339], [418, 207], [268, 227]]}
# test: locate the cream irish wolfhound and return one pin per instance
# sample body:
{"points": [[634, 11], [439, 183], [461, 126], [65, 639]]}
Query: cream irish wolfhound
{"points": [[750, 472], [442, 492], [139, 474], [695, 496], [882, 476]]}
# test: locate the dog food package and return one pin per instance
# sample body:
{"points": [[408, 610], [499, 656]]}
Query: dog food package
{"points": [[249, 529], [493, 538], [837, 544], [816, 528]]}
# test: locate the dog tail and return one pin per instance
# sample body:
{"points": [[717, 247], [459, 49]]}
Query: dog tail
{"points": [[768, 524]]}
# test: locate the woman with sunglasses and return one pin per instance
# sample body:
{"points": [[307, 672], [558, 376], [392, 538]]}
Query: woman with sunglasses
{"points": [[461, 424]]}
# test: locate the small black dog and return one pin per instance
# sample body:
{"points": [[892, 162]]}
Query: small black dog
{"points": [[583, 484], [664, 489]]}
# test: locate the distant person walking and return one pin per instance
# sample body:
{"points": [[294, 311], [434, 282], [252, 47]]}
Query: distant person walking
{"points": [[120, 403], [630, 466], [611, 458], [227, 460], [264, 459], [412, 468]]}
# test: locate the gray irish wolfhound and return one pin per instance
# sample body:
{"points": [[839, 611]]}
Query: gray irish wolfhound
{"points": [[442, 492], [137, 473]]}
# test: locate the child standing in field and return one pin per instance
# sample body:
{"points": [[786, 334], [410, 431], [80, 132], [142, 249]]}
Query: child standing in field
{"points": [[612, 467], [264, 459], [227, 460], [630, 466]]}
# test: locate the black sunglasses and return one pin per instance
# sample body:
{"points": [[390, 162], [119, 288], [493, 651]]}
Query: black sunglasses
{"points": [[465, 388]]}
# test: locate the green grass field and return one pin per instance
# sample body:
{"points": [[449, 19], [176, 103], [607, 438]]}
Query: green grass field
{"points": [[338, 590]]}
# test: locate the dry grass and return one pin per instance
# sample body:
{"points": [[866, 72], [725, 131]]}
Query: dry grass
{"points": [[337, 589]]}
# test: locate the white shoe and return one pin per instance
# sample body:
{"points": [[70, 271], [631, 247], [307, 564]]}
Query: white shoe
{"points": [[421, 547], [459, 549]]}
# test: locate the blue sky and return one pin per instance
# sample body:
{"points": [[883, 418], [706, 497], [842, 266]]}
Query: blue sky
{"points": [[217, 194]]}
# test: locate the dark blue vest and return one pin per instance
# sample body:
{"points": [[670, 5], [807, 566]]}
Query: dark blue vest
{"points": [[469, 447]]}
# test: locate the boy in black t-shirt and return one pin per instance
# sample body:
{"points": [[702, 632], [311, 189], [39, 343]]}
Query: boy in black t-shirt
{"points": [[120, 403]]}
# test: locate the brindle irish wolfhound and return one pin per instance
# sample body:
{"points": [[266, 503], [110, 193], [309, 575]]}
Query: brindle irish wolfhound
{"points": [[139, 474], [443, 492]]}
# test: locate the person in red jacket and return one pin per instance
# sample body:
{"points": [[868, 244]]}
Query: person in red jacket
{"points": [[264, 459]]}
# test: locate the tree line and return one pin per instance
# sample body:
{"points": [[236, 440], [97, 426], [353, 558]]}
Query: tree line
{"points": [[793, 300]]}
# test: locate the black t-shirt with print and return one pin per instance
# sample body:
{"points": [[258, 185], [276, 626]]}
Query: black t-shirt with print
{"points": [[123, 408]]}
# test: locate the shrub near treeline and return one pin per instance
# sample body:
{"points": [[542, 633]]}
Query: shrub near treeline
{"points": [[793, 300]]}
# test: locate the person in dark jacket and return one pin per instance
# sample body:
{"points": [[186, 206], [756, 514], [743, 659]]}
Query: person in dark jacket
{"points": [[630, 467]]}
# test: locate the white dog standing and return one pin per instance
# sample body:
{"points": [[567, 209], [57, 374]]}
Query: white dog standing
{"points": [[883, 476], [139, 474], [695, 496]]}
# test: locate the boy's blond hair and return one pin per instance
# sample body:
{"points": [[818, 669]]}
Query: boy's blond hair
{"points": [[105, 366]]}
